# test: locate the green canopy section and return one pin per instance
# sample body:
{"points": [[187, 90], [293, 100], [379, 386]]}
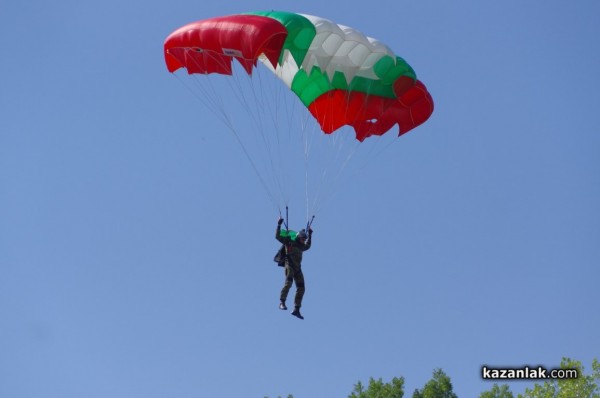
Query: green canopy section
{"points": [[309, 87], [301, 33], [311, 84]]}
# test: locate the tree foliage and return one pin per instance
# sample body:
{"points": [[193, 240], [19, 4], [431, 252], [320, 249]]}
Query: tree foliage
{"points": [[379, 389], [497, 392], [585, 386], [438, 387]]}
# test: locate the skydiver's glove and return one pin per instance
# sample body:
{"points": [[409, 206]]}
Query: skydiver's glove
{"points": [[280, 221], [310, 231]]}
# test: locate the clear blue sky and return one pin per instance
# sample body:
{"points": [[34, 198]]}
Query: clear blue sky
{"points": [[135, 246]]}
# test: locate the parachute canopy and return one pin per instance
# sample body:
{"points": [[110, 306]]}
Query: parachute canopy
{"points": [[342, 76]]}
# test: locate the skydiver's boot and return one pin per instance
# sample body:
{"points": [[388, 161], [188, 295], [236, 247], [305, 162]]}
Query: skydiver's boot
{"points": [[297, 313], [282, 306]]}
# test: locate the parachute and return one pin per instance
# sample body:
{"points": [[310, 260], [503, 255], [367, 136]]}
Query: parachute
{"points": [[341, 76]]}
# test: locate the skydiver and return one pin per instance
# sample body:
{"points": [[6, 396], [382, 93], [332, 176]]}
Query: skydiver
{"points": [[293, 266]]}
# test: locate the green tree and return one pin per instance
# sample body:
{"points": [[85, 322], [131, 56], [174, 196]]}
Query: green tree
{"points": [[289, 396], [379, 389], [497, 392], [581, 387], [438, 387]]}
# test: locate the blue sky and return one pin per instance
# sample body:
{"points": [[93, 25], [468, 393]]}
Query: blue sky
{"points": [[136, 242]]}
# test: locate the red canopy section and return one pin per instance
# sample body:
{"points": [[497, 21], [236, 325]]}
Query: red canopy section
{"points": [[208, 46], [372, 115]]}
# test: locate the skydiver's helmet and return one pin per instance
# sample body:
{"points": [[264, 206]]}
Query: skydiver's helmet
{"points": [[301, 235]]}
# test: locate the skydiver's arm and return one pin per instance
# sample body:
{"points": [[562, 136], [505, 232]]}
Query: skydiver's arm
{"points": [[278, 233], [308, 241]]}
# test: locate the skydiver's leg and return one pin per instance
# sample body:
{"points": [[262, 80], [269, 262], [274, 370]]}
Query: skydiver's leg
{"points": [[300, 288], [289, 278]]}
